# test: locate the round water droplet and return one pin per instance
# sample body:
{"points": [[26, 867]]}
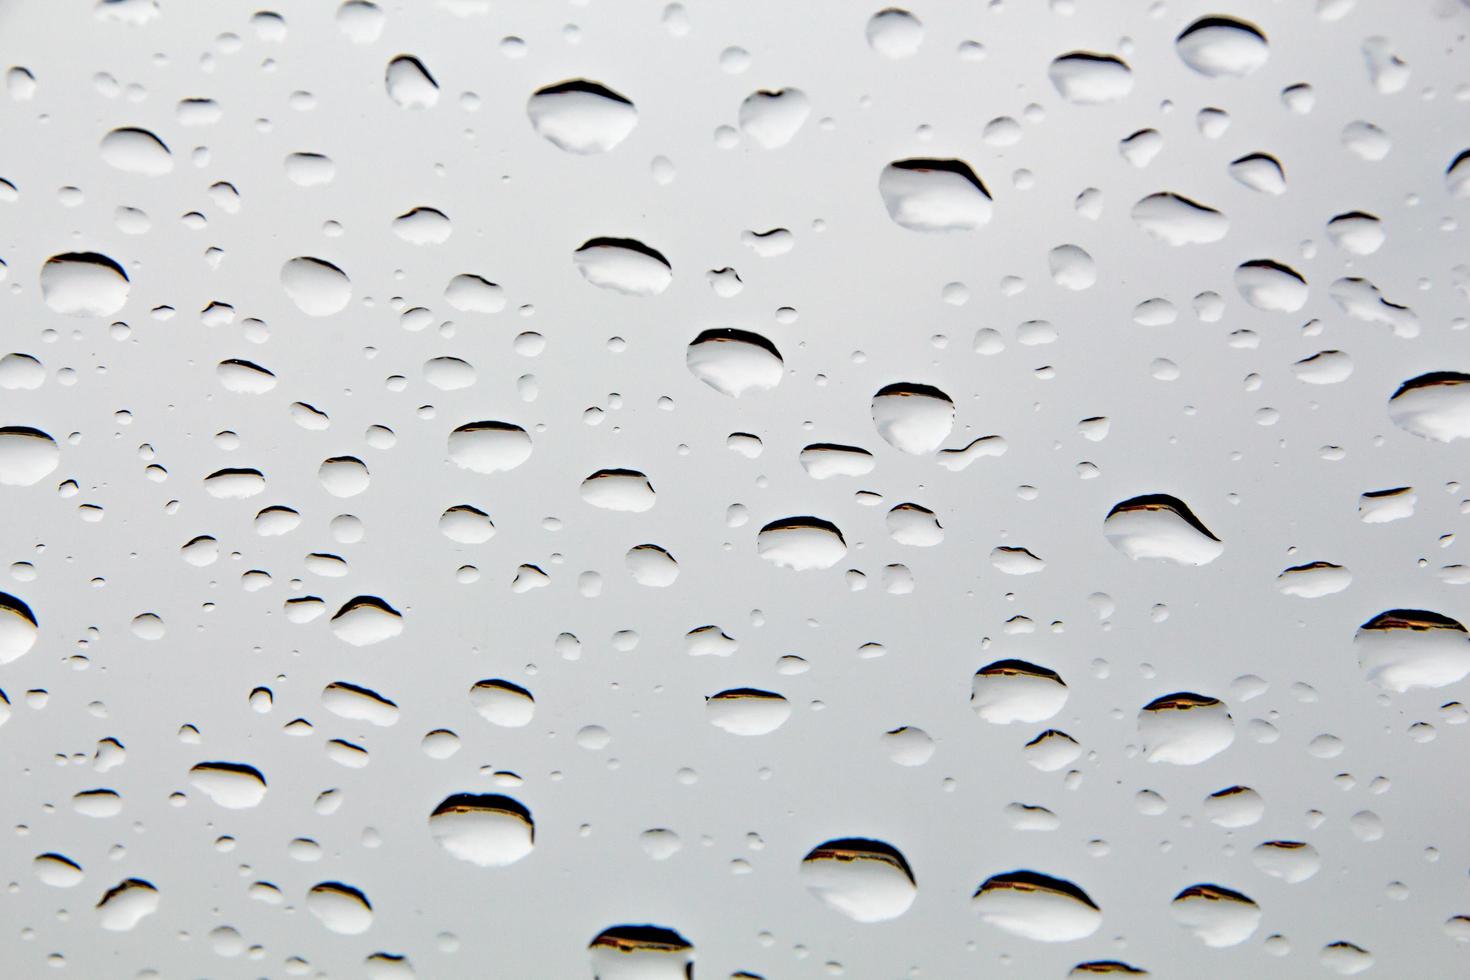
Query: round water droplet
{"points": [[1216, 916], [316, 286], [866, 880], [1185, 729], [27, 456], [489, 447], [801, 543], [1404, 649], [734, 361], [913, 418], [1037, 906], [934, 195], [84, 284], [747, 711], [1222, 47], [488, 830], [582, 116]]}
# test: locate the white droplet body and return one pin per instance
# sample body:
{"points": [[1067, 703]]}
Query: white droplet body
{"points": [[1404, 649], [865, 880], [620, 490], [1010, 691], [84, 284], [316, 286], [1177, 220], [734, 362], [581, 116], [27, 456], [136, 151], [1433, 406], [623, 265], [747, 711], [489, 447], [490, 831], [503, 703], [126, 904], [1314, 580], [772, 118], [1271, 286], [1222, 47], [1036, 906], [18, 629], [1185, 729], [1162, 527], [410, 84], [913, 418], [341, 908], [801, 543], [366, 620], [1087, 78], [1216, 916], [895, 33], [232, 785], [934, 195]]}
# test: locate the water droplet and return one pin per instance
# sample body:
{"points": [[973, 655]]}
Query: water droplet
{"points": [[866, 880], [1216, 916], [623, 265], [84, 284], [1222, 47], [1163, 527], [1088, 78], [582, 116], [487, 830], [734, 361], [1036, 906], [1185, 729], [934, 195]]}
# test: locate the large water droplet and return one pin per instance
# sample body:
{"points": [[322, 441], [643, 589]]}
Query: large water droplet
{"points": [[1185, 729], [582, 116], [866, 880], [1403, 649], [1160, 526], [934, 195], [801, 543], [1222, 47], [623, 265], [1037, 906], [913, 418], [488, 830], [316, 286], [1433, 406], [734, 361], [84, 284]]}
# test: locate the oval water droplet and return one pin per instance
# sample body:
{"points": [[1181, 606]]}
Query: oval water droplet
{"points": [[934, 195], [866, 880], [1160, 526], [1222, 47], [913, 418], [1037, 906], [623, 265], [734, 361], [801, 543], [84, 284], [489, 447], [316, 286], [582, 116], [1216, 916], [1404, 649], [1185, 729], [491, 831]]}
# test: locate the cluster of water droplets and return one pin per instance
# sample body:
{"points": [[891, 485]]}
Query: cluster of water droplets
{"points": [[530, 491]]}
